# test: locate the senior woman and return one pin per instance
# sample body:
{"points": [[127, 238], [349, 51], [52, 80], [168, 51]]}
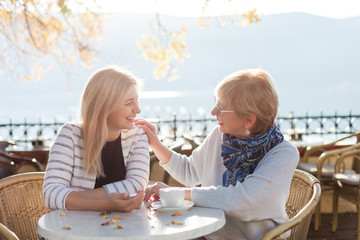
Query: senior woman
{"points": [[244, 166]]}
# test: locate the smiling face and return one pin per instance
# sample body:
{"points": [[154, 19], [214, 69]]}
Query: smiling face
{"points": [[229, 122], [124, 116]]}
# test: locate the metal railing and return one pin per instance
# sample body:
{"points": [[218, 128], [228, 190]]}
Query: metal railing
{"points": [[294, 126]]}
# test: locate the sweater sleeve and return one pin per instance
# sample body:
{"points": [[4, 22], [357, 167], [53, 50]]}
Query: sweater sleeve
{"points": [[59, 169], [190, 171], [137, 164], [262, 195]]}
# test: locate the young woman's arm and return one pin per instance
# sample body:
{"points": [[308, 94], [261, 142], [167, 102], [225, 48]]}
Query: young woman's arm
{"points": [[98, 200]]}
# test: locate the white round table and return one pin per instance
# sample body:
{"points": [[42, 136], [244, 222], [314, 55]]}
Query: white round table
{"points": [[141, 223]]}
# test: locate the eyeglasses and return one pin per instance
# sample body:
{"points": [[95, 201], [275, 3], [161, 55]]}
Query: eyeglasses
{"points": [[219, 109]]}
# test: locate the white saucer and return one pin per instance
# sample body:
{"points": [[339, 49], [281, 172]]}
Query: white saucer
{"points": [[187, 205]]}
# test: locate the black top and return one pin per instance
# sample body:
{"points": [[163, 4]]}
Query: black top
{"points": [[113, 163]]}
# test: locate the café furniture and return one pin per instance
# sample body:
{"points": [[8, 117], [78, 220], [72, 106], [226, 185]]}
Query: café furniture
{"points": [[142, 223], [305, 192], [346, 186], [19, 164], [21, 205], [323, 167]]}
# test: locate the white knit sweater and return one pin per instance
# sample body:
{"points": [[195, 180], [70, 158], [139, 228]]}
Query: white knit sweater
{"points": [[252, 207], [65, 170]]}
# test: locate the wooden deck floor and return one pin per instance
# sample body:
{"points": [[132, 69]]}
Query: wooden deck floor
{"points": [[346, 230]]}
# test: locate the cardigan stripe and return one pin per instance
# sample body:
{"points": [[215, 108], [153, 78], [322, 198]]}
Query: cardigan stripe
{"points": [[66, 172]]}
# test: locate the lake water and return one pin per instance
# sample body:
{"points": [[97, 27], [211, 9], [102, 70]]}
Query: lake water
{"points": [[313, 60]]}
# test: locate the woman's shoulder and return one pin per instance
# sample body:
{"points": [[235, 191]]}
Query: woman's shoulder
{"points": [[72, 126], [287, 148], [214, 138], [284, 151], [136, 131], [215, 132], [287, 144]]}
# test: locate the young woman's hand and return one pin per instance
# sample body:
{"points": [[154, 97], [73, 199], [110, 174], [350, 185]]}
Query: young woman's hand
{"points": [[121, 202]]}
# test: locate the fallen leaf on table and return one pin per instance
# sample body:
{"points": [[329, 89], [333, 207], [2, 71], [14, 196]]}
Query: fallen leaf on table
{"points": [[105, 212], [66, 228], [113, 221], [118, 227], [176, 222], [176, 214]]}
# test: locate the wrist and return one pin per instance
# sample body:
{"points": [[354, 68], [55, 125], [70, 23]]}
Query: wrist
{"points": [[163, 153], [188, 194], [108, 203], [157, 146]]}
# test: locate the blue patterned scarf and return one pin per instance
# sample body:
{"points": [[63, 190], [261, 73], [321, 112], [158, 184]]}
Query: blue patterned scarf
{"points": [[241, 156]]}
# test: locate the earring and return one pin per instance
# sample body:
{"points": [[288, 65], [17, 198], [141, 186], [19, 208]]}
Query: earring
{"points": [[247, 132]]}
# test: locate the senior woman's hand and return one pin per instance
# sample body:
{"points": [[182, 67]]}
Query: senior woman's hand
{"points": [[150, 131], [160, 150], [153, 191]]}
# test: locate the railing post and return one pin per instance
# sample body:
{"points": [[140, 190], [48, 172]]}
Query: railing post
{"points": [[292, 126], [336, 124], [175, 128], [350, 122], [190, 123], [39, 133], [56, 127], [321, 124], [307, 123], [25, 131], [11, 133]]}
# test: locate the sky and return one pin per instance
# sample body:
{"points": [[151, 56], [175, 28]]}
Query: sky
{"points": [[326, 8]]}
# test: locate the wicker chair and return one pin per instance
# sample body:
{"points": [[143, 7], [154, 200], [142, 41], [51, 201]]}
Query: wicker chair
{"points": [[21, 205], [323, 168], [346, 186], [305, 192]]}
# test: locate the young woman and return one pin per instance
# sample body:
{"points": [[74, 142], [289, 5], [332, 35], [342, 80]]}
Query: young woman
{"points": [[244, 166], [97, 163]]}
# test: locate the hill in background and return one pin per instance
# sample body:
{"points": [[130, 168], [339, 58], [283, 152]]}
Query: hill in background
{"points": [[313, 60]]}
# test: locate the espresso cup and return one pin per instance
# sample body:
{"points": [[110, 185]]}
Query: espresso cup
{"points": [[172, 197]]}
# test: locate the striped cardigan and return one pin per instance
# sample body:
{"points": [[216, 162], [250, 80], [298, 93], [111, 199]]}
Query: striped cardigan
{"points": [[65, 170]]}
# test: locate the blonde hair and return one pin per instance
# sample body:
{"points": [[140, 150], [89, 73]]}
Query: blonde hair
{"points": [[106, 90], [251, 91]]}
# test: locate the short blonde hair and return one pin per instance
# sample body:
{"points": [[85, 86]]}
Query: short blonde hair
{"points": [[251, 91], [106, 90]]}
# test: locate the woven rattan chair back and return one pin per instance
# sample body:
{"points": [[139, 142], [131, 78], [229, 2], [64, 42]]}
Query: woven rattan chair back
{"points": [[22, 203], [347, 187], [356, 163], [304, 195]]}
